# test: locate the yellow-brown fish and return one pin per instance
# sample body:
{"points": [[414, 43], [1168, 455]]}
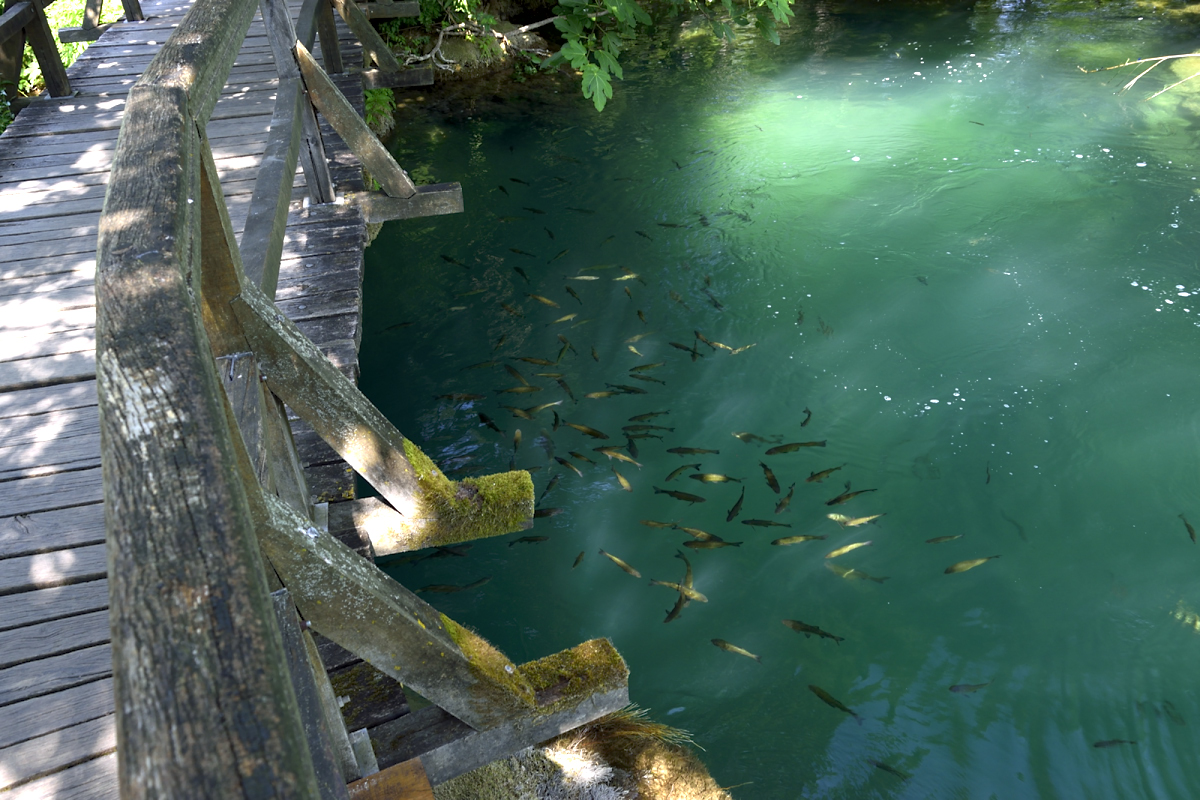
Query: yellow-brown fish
{"points": [[732, 648], [675, 473], [841, 551], [796, 539], [699, 535], [817, 477], [684, 496], [766, 523], [578, 559], [829, 700], [621, 479], [710, 545], [645, 367], [621, 564], [748, 437], [713, 477], [788, 448], [649, 523], [855, 522], [615, 452], [567, 318], [601, 395], [519, 390], [737, 507], [584, 429], [581, 457], [782, 505], [967, 688], [963, 566], [686, 591], [940, 539], [546, 301], [517, 440], [692, 451], [811, 630], [847, 496], [568, 465], [770, 476], [851, 574]]}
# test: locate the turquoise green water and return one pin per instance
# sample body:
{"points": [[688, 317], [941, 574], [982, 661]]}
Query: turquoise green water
{"points": [[995, 257]]}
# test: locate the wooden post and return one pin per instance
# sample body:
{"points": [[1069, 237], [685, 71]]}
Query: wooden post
{"points": [[331, 51], [12, 48], [302, 377], [41, 41], [204, 706], [133, 10], [350, 126], [278, 22], [372, 43]]}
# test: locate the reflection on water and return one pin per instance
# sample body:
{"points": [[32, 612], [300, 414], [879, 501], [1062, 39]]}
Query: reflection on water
{"points": [[922, 238]]}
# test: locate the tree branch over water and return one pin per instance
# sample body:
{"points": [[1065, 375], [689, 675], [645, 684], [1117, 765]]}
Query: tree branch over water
{"points": [[1153, 61]]}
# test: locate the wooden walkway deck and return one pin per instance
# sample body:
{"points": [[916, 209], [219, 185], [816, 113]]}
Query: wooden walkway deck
{"points": [[57, 736]]}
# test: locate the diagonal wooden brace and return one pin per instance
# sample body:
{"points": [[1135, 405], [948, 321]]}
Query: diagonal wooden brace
{"points": [[300, 375], [372, 43]]}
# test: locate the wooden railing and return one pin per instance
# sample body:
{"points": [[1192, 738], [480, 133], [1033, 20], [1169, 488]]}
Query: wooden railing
{"points": [[217, 689]]}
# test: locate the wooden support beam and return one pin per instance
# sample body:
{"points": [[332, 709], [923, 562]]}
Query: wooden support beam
{"points": [[282, 36], [427, 201], [385, 10], [405, 781], [388, 531], [328, 771], [332, 711], [41, 41], [351, 127], [405, 78], [302, 377], [350, 601], [331, 52], [83, 34], [16, 16], [375, 49], [575, 687], [133, 10], [195, 645]]}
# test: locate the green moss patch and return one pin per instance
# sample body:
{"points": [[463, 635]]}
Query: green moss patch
{"points": [[563, 679], [492, 666]]}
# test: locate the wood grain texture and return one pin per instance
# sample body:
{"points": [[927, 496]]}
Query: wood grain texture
{"points": [[53, 751], [42, 605]]}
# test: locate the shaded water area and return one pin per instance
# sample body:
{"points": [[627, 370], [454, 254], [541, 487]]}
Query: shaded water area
{"points": [[974, 265]]}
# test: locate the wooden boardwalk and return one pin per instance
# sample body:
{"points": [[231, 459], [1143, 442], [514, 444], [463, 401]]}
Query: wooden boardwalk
{"points": [[57, 736]]}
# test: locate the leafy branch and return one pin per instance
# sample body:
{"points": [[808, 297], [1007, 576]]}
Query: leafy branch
{"points": [[1153, 62]]}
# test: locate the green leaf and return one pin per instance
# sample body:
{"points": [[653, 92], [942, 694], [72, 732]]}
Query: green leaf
{"points": [[597, 86], [609, 64], [574, 52], [766, 26], [612, 44]]}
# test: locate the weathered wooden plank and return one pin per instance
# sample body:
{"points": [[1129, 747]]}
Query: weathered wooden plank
{"points": [[15, 18], [27, 608], [45, 639], [374, 698], [26, 344], [49, 492], [405, 78], [46, 371], [350, 126], [330, 483], [373, 46], [48, 256], [448, 748], [35, 678], [54, 751], [333, 655], [331, 52], [48, 443], [44, 714], [49, 531], [70, 272], [406, 780], [56, 568], [45, 49], [174, 500], [43, 400], [427, 201], [387, 10], [96, 778]]}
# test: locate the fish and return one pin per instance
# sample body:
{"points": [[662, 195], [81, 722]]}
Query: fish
{"points": [[646, 368], [553, 482], [732, 648], [967, 688], [484, 419], [800, 316], [460, 397], [546, 301], [446, 552], [580, 210], [630, 570], [518, 180], [675, 472], [626, 389], [672, 224], [692, 350], [770, 476], [826, 331], [581, 457], [615, 452], [607, 240], [568, 465], [692, 451], [737, 507], [595, 355], [789, 448], [501, 188], [699, 535], [521, 272], [557, 420], [632, 276], [567, 318], [1191, 531], [516, 312], [563, 385], [811, 630], [574, 294], [601, 395], [519, 390], [833, 702], [851, 574], [679, 606], [648, 379], [535, 409], [634, 350], [807, 418], [786, 540], [766, 523], [651, 415], [398, 326], [963, 566], [446, 588], [782, 505], [675, 296], [846, 496], [625, 484], [578, 559], [841, 551], [481, 365], [940, 539], [517, 440], [457, 308], [649, 523], [713, 300], [710, 545], [513, 372], [1113, 742], [561, 253], [644, 235], [747, 437], [705, 339], [533, 210], [686, 591], [646, 428], [549, 232], [631, 445], [641, 314], [520, 413], [886, 768], [581, 277], [454, 261], [1174, 715], [521, 252], [584, 429], [684, 496], [529, 540], [854, 523], [817, 477], [713, 477]]}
